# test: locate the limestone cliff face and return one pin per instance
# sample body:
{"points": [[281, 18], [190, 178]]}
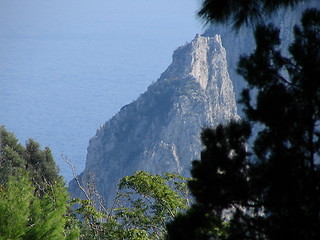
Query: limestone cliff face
{"points": [[160, 131], [242, 42]]}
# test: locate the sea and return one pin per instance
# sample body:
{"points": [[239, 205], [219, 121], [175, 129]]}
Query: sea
{"points": [[67, 66]]}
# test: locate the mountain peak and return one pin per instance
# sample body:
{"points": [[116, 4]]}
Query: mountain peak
{"points": [[160, 131], [205, 53]]}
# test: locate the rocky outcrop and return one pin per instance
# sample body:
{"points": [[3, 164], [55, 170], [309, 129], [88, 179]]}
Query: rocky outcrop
{"points": [[160, 131], [241, 42]]}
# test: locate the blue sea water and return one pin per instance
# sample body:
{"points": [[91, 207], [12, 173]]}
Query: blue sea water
{"points": [[67, 66]]}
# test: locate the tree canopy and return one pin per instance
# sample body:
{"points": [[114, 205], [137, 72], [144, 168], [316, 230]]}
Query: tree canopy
{"points": [[14, 157], [143, 205], [242, 12], [33, 197], [34, 203]]}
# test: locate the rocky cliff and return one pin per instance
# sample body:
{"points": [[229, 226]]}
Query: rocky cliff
{"points": [[160, 131], [241, 42]]}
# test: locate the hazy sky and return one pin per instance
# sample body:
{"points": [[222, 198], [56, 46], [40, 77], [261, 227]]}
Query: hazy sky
{"points": [[95, 18], [67, 66]]}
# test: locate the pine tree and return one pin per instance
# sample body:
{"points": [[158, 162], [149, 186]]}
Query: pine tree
{"points": [[38, 163], [286, 173], [275, 192], [41, 166], [47, 219], [219, 184], [15, 201], [33, 197], [11, 155], [239, 13]]}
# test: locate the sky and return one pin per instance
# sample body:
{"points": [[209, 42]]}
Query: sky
{"points": [[67, 66]]}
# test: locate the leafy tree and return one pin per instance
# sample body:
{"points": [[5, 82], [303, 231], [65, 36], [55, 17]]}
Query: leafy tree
{"points": [[152, 202], [143, 205], [273, 192]]}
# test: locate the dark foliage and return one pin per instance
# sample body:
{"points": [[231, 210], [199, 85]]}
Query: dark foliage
{"points": [[219, 182], [241, 12], [273, 193], [286, 174], [39, 164]]}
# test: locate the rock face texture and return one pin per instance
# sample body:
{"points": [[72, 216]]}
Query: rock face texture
{"points": [[160, 131], [242, 42]]}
